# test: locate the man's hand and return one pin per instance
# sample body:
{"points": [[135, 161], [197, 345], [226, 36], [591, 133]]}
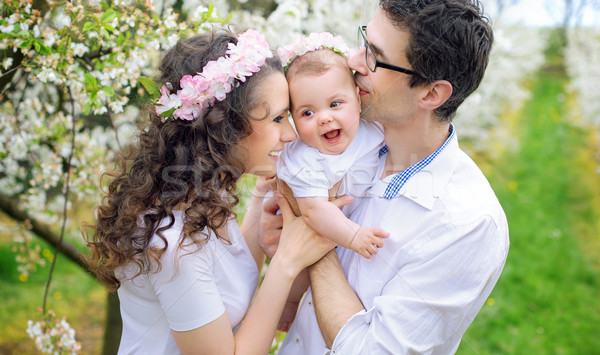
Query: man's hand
{"points": [[271, 224]]}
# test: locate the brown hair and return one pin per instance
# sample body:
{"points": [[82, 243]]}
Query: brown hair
{"points": [[196, 163], [449, 40]]}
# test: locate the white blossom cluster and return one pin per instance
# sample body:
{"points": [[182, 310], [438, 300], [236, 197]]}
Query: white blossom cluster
{"points": [[53, 335], [582, 60], [294, 18], [517, 53]]}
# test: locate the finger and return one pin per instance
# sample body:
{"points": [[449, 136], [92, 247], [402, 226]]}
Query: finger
{"points": [[373, 249], [380, 232], [342, 201], [378, 242], [286, 210], [271, 206]]}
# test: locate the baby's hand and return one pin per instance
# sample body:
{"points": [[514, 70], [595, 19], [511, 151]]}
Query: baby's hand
{"points": [[367, 240]]}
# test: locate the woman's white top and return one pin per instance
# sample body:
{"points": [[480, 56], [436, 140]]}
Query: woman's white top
{"points": [[310, 173], [193, 287]]}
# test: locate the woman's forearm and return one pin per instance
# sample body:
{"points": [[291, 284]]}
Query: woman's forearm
{"points": [[257, 330]]}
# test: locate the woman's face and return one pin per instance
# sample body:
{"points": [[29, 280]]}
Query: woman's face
{"points": [[268, 134]]}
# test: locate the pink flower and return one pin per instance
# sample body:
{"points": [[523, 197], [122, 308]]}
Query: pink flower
{"points": [[217, 79], [167, 101]]}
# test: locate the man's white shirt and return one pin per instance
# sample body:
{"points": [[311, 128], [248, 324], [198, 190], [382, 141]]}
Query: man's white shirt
{"points": [[448, 244]]}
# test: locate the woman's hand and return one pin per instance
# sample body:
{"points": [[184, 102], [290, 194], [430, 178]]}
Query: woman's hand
{"points": [[299, 245]]}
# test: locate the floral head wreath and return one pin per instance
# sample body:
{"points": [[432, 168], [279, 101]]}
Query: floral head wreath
{"points": [[217, 79], [313, 42]]}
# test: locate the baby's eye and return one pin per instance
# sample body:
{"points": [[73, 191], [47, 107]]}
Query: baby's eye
{"points": [[307, 113], [336, 103]]}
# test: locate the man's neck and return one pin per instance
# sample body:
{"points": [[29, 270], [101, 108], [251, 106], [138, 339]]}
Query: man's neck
{"points": [[410, 142]]}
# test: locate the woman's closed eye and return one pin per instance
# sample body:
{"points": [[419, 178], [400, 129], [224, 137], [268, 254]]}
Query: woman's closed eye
{"points": [[278, 119]]}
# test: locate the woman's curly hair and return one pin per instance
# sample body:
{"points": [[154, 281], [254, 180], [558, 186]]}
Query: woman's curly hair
{"points": [[196, 163]]}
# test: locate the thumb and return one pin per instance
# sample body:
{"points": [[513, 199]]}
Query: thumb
{"points": [[342, 201], [284, 206]]}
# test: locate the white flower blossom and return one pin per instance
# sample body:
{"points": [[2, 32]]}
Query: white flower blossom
{"points": [[79, 49], [7, 63], [7, 28]]}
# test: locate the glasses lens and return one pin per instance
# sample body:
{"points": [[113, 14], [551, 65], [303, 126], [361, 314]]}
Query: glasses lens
{"points": [[369, 55]]}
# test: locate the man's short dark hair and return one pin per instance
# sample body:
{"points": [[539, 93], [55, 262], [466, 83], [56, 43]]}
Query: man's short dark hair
{"points": [[449, 40]]}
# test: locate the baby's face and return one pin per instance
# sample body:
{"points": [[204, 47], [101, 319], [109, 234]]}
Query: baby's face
{"points": [[326, 109]]}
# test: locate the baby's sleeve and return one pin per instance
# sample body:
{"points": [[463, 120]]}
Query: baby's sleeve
{"points": [[302, 169]]}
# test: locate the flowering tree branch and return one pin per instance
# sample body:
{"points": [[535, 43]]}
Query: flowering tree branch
{"points": [[42, 230]]}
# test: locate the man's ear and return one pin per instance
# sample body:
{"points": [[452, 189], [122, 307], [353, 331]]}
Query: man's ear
{"points": [[435, 94]]}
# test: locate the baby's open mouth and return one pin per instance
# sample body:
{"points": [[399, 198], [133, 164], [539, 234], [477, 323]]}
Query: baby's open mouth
{"points": [[331, 135]]}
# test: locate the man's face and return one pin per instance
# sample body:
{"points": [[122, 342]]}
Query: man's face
{"points": [[385, 94]]}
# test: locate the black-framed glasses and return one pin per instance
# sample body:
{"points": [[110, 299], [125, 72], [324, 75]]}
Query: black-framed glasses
{"points": [[373, 62]]}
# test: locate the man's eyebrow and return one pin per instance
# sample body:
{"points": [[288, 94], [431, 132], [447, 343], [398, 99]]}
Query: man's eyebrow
{"points": [[378, 51]]}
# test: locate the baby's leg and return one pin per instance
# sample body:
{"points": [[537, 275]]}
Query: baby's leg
{"points": [[286, 191]]}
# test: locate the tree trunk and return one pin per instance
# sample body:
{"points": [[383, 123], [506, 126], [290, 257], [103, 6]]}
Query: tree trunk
{"points": [[113, 325]]}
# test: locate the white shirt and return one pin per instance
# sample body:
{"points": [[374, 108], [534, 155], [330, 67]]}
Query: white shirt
{"points": [[448, 244], [188, 292], [310, 173]]}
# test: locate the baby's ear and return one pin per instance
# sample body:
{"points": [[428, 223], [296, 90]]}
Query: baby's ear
{"points": [[358, 98]]}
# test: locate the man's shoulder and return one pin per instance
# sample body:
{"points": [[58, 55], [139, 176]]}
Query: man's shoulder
{"points": [[468, 195]]}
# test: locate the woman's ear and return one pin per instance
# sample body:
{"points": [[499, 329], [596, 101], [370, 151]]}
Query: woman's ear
{"points": [[436, 94]]}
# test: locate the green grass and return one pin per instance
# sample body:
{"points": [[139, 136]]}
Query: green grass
{"points": [[73, 294], [546, 301]]}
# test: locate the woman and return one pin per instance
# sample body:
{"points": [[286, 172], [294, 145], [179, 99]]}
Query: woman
{"points": [[166, 236]]}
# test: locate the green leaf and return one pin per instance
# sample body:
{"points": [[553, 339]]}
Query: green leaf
{"points": [[168, 113], [42, 48], [110, 28], [87, 108], [88, 26], [211, 8], [109, 91], [25, 44], [90, 81], [108, 16], [150, 87]]}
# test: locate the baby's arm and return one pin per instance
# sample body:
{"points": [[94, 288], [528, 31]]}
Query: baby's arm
{"points": [[330, 222]]}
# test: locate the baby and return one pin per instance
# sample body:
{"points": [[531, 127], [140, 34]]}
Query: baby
{"points": [[337, 152], [336, 149]]}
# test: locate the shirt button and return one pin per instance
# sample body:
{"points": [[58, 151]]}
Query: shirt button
{"points": [[297, 340], [310, 303]]}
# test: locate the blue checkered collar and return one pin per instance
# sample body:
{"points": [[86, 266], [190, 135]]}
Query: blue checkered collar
{"points": [[423, 181]]}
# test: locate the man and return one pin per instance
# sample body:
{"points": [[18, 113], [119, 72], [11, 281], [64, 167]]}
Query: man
{"points": [[448, 233]]}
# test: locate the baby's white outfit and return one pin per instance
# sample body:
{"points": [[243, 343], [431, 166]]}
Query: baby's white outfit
{"points": [[310, 173]]}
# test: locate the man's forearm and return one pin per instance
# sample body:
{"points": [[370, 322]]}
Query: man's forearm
{"points": [[334, 300]]}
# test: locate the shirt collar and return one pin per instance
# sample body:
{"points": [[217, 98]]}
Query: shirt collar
{"points": [[422, 182]]}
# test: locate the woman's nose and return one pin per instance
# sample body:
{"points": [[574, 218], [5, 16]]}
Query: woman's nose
{"points": [[288, 134]]}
